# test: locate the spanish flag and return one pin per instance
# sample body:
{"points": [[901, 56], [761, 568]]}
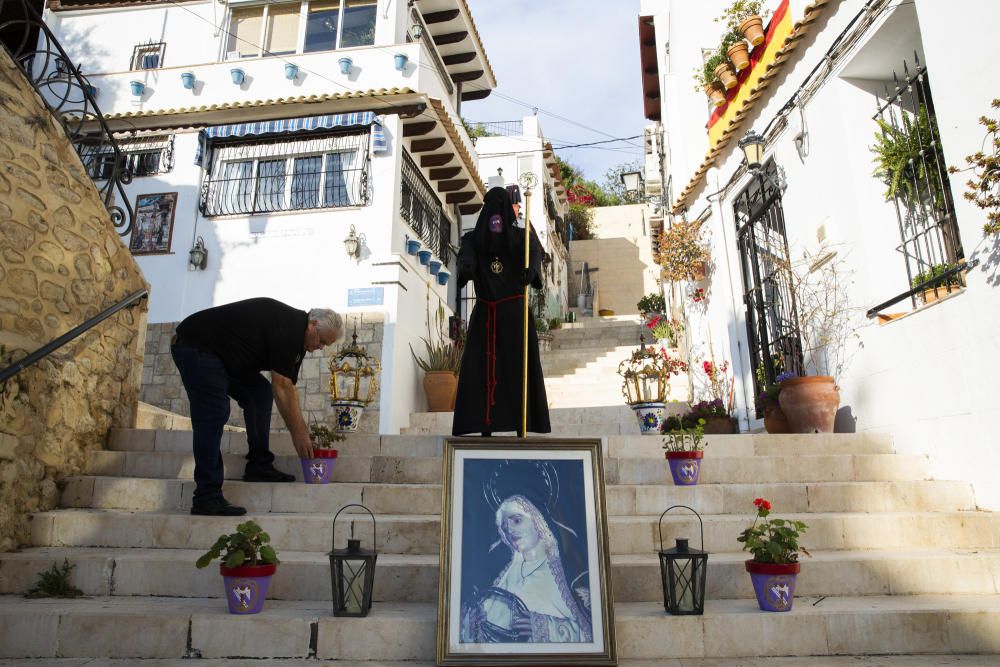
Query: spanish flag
{"points": [[779, 29]]}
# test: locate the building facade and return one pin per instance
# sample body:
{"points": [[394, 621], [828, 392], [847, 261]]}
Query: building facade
{"points": [[821, 257], [295, 147]]}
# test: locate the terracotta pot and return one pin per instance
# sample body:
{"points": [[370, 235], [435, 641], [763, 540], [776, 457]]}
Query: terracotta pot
{"points": [[810, 403], [716, 95], [718, 426], [932, 295], [440, 388], [753, 29], [724, 73], [739, 54], [775, 420]]}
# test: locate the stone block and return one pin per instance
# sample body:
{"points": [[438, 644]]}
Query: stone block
{"points": [[392, 632], [123, 635], [265, 636], [25, 634]]}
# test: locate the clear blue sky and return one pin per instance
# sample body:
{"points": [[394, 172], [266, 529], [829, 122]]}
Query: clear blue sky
{"points": [[576, 59]]}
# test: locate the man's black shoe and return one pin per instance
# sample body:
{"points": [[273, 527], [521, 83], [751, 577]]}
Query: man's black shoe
{"points": [[271, 474], [217, 507]]}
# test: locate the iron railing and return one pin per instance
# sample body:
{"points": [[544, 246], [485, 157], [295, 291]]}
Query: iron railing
{"points": [[287, 173], [422, 210], [143, 156], [69, 96], [916, 177], [497, 128], [54, 345]]}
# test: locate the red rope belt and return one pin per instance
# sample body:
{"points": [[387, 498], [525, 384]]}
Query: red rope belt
{"points": [[491, 348]]}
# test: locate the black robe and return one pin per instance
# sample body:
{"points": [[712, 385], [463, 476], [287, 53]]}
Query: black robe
{"points": [[490, 380]]}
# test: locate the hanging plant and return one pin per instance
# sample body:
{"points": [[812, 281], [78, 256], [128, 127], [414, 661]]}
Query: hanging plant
{"points": [[984, 186], [681, 250]]}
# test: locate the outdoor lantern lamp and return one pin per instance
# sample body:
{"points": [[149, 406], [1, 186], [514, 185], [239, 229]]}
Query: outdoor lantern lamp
{"points": [[752, 145], [352, 571], [352, 244], [682, 570], [198, 257], [417, 31], [353, 374], [632, 180]]}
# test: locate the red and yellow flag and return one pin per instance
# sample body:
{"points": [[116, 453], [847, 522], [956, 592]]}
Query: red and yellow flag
{"points": [[779, 28]]}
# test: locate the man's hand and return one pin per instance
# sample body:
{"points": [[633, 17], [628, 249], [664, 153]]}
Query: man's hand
{"points": [[303, 447]]}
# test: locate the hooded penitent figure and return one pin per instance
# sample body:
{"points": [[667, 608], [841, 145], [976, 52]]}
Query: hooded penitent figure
{"points": [[490, 381]]}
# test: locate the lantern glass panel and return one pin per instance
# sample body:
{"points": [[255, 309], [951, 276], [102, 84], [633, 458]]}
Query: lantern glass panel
{"points": [[353, 578], [683, 581]]}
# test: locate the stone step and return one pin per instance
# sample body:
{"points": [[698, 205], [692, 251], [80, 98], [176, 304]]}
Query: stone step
{"points": [[177, 627], [427, 470], [149, 494], [420, 533], [577, 421], [628, 446], [414, 578]]}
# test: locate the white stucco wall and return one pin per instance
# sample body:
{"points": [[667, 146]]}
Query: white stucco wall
{"points": [[926, 378]]}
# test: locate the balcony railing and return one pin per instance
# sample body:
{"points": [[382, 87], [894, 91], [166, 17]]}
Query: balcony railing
{"points": [[69, 97], [496, 128], [422, 210]]}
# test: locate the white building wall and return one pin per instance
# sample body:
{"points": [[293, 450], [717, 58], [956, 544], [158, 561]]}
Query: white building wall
{"points": [[927, 378]]}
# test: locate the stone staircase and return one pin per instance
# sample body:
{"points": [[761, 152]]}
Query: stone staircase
{"points": [[901, 564]]}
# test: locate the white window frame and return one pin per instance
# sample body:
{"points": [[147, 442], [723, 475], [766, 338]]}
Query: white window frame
{"points": [[303, 21]]}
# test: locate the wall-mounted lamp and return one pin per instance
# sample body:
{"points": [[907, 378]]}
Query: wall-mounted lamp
{"points": [[632, 180], [752, 145], [198, 257], [417, 31], [353, 243]]}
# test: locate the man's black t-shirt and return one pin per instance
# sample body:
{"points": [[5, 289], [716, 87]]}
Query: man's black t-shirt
{"points": [[250, 336]]}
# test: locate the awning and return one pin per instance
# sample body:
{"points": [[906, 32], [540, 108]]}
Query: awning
{"points": [[286, 125]]}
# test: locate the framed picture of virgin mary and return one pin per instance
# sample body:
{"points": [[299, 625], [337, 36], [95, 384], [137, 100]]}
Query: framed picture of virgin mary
{"points": [[525, 570]]}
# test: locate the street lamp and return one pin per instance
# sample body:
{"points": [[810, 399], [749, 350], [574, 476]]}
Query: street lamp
{"points": [[632, 180], [752, 145], [352, 244], [198, 255], [352, 571], [683, 570]]}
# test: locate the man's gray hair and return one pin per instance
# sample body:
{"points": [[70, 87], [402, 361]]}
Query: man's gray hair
{"points": [[328, 321]]}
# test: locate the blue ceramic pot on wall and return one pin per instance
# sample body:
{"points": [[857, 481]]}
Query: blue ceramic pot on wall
{"points": [[434, 266], [238, 75], [345, 65], [138, 88], [412, 246], [424, 256], [442, 277], [291, 71], [400, 61], [187, 80]]}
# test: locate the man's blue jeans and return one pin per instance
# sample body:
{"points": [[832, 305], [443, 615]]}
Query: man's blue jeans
{"points": [[209, 388]]}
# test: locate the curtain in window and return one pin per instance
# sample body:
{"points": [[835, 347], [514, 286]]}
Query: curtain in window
{"points": [[244, 33], [306, 173], [336, 191], [270, 185], [282, 30], [321, 25], [359, 23], [236, 187]]}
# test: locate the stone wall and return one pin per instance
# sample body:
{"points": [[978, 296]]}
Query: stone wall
{"points": [[161, 382], [62, 263]]}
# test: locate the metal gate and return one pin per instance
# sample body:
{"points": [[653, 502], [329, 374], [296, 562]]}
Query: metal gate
{"points": [[772, 322]]}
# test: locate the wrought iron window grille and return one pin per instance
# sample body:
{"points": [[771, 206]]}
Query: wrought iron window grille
{"points": [[148, 56], [773, 336], [422, 210], [325, 170], [68, 95], [139, 156], [919, 187]]}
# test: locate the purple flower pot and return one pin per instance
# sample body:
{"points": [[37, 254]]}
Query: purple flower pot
{"points": [[685, 467], [773, 584], [246, 587], [317, 470]]}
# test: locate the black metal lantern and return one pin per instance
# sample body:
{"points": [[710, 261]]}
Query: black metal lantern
{"points": [[683, 570], [752, 145], [353, 572]]}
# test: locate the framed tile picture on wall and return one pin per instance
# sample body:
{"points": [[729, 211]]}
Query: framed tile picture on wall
{"points": [[525, 571], [154, 224]]}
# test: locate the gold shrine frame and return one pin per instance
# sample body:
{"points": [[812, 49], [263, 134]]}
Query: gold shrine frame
{"points": [[479, 475]]}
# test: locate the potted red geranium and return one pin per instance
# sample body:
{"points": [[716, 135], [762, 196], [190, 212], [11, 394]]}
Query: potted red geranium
{"points": [[248, 562], [774, 544]]}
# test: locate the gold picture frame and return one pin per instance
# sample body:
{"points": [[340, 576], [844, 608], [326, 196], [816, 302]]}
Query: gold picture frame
{"points": [[525, 563]]}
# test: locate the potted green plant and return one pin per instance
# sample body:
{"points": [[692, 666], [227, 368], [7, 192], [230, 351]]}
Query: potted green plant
{"points": [[775, 420], [774, 544], [747, 17], [683, 442], [936, 287], [985, 166], [542, 334], [248, 563], [555, 323], [718, 410], [651, 304], [319, 468], [735, 48], [665, 331], [440, 366], [724, 71], [902, 153]]}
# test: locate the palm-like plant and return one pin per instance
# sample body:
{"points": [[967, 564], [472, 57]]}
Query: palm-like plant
{"points": [[440, 357]]}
